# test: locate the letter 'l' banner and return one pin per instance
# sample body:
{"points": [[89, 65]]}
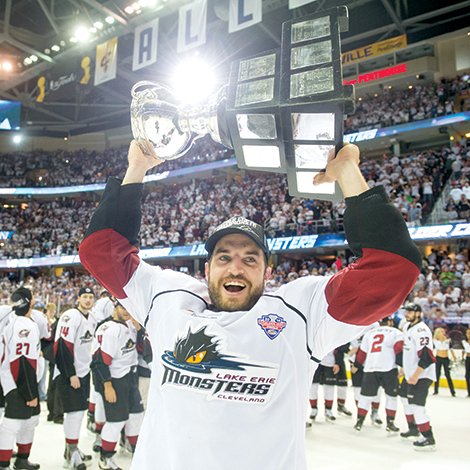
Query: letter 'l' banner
{"points": [[145, 45], [244, 13], [106, 61], [192, 25]]}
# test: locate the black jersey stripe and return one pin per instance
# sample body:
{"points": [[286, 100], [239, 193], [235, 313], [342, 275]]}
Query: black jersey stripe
{"points": [[304, 318], [170, 292]]}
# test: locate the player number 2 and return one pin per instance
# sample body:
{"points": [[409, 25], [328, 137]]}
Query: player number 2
{"points": [[19, 348], [378, 340]]}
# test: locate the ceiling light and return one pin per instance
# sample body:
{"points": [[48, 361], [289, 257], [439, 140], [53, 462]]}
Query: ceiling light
{"points": [[73, 39], [6, 65], [143, 3], [47, 51], [93, 30], [109, 20], [55, 48], [17, 139], [98, 25], [129, 10], [33, 58], [136, 6], [82, 34], [410, 87], [63, 43]]}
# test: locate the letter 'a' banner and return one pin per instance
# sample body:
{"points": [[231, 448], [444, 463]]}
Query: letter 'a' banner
{"points": [[299, 3], [192, 25], [145, 45], [244, 13], [106, 61]]}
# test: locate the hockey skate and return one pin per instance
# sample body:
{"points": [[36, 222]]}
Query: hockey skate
{"points": [[97, 444], [329, 416], [391, 429], [107, 463], [425, 444], [343, 411], [26, 464], [412, 433], [374, 417], [73, 460], [358, 425], [313, 414]]}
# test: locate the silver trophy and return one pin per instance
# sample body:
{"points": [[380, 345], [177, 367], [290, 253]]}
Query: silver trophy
{"points": [[171, 127], [281, 112]]}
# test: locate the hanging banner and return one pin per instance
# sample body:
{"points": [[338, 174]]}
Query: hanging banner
{"points": [[299, 3], [106, 61], [373, 50], [244, 13], [192, 26], [145, 45], [58, 84]]}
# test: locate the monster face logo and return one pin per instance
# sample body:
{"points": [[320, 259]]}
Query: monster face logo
{"points": [[197, 352], [197, 364], [128, 347], [86, 338]]}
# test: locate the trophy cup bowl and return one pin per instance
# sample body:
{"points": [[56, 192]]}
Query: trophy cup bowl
{"points": [[157, 118]]}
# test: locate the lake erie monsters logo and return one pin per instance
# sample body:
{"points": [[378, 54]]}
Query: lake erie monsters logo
{"points": [[197, 364]]}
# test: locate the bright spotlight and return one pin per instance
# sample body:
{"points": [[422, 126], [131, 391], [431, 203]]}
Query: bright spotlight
{"points": [[109, 20], [73, 39], [136, 6], [82, 34], [27, 61], [129, 10], [6, 66], [193, 81], [17, 139], [55, 48], [98, 25], [34, 58]]}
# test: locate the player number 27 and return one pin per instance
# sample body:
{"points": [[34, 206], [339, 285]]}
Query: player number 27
{"points": [[19, 349], [378, 340]]}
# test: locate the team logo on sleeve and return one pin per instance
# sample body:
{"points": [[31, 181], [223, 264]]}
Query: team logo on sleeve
{"points": [[272, 325], [65, 318], [198, 362], [23, 333]]}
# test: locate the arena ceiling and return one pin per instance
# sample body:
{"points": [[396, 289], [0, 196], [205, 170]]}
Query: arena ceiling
{"points": [[31, 27]]}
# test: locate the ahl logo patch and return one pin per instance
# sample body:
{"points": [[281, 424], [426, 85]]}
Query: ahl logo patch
{"points": [[272, 325]]}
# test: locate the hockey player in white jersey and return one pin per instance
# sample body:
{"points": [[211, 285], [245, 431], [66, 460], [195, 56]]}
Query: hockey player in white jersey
{"points": [[114, 368], [19, 375], [380, 353], [72, 351], [232, 366], [419, 365]]}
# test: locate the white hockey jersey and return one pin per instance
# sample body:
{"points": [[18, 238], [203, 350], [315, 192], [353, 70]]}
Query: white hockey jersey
{"points": [[21, 352], [115, 346], [73, 342], [417, 351], [379, 349]]}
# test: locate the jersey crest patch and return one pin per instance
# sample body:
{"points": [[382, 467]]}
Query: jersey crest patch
{"points": [[23, 333], [86, 338], [65, 318], [272, 324]]}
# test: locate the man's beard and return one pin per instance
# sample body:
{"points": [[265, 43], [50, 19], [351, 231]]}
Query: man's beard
{"points": [[232, 305]]}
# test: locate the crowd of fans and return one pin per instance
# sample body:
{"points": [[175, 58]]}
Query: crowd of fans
{"points": [[65, 168], [417, 103], [187, 213]]}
